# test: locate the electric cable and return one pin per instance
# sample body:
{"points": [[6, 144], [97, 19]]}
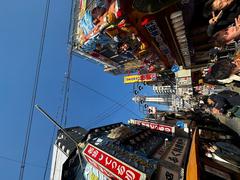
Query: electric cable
{"points": [[97, 121], [104, 114], [53, 134], [65, 102], [109, 109], [34, 93], [103, 95], [49, 154], [50, 149], [115, 110], [66, 91], [26, 163], [69, 68]]}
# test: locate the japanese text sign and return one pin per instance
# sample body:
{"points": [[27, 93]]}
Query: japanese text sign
{"points": [[177, 151], [111, 166], [140, 78], [155, 126]]}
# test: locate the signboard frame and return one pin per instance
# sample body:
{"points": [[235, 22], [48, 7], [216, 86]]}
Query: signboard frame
{"points": [[154, 126], [138, 78], [125, 171]]}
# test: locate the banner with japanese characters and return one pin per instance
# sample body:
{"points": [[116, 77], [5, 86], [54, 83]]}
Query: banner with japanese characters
{"points": [[140, 78], [111, 166], [177, 151], [155, 126], [175, 156]]}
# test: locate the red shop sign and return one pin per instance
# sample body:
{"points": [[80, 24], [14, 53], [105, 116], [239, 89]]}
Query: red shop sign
{"points": [[155, 126], [111, 166], [148, 77]]}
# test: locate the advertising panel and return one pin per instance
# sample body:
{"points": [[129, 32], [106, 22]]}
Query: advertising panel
{"points": [[184, 81], [177, 151], [111, 166], [155, 126], [156, 33], [176, 157], [140, 78]]}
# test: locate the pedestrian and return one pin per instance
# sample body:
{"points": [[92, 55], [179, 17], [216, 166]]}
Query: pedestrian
{"points": [[223, 14], [222, 102]]}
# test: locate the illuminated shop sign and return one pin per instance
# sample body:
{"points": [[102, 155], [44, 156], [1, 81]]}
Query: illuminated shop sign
{"points": [[110, 166], [156, 33], [175, 156], [155, 126], [140, 78]]}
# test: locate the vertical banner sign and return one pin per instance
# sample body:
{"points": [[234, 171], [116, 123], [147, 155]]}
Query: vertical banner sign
{"points": [[156, 33], [177, 151], [111, 166], [175, 156]]}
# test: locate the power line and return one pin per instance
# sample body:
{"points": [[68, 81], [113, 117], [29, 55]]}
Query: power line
{"points": [[19, 162], [53, 135], [103, 95], [64, 106], [104, 114], [108, 115], [66, 93], [34, 93], [66, 90], [69, 69], [111, 108], [49, 154]]}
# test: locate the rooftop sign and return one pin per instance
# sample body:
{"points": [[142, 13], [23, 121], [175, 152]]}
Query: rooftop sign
{"points": [[154, 126], [140, 78], [111, 166]]}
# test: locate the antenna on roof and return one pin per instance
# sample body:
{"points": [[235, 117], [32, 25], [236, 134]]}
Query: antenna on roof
{"points": [[62, 129]]}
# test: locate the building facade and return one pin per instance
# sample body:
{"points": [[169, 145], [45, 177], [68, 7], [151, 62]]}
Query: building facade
{"points": [[62, 150], [128, 151]]}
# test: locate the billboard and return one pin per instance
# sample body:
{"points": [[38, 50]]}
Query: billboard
{"points": [[175, 156], [156, 34], [154, 126], [140, 78], [111, 166]]}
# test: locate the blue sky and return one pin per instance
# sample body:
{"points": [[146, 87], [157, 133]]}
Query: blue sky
{"points": [[20, 30]]}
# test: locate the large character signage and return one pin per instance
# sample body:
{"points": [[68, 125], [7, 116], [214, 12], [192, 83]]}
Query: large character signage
{"points": [[175, 156], [111, 166], [157, 35], [140, 78], [154, 126]]}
